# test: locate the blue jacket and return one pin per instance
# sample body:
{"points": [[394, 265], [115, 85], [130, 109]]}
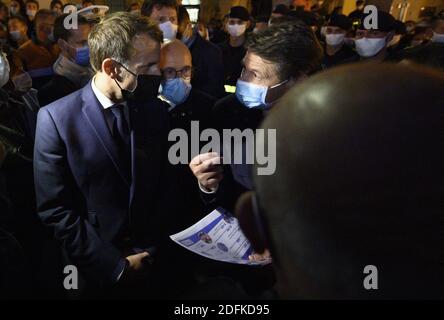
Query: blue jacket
{"points": [[82, 191]]}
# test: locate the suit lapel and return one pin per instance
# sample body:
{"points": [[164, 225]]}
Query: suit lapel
{"points": [[96, 119]]}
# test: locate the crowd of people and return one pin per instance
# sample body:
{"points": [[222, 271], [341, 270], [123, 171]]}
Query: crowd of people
{"points": [[85, 178]]}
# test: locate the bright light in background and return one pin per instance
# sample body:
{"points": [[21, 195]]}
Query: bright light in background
{"points": [[192, 7], [191, 2], [194, 14]]}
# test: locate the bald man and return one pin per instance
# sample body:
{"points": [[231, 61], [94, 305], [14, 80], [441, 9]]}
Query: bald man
{"points": [[355, 207], [186, 103]]}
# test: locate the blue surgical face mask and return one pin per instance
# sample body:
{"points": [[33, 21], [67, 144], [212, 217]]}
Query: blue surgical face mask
{"points": [[252, 95], [82, 56], [176, 90]]}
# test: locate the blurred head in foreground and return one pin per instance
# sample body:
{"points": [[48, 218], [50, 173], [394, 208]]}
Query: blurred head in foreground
{"points": [[358, 183]]}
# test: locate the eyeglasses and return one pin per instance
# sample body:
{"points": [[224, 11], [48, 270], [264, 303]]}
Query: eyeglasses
{"points": [[172, 73]]}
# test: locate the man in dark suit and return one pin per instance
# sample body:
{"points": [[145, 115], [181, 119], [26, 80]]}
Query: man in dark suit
{"points": [[101, 156], [268, 73], [71, 69], [208, 65], [186, 105]]}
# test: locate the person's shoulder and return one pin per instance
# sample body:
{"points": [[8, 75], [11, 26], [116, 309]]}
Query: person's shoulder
{"points": [[26, 45], [152, 114], [422, 50], [206, 44], [201, 96], [66, 105], [433, 47], [25, 48], [224, 45], [57, 82], [227, 103], [58, 87]]}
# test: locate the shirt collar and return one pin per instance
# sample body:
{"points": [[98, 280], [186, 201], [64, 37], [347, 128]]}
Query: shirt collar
{"points": [[104, 100]]}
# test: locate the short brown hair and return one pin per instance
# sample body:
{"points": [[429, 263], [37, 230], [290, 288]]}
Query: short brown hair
{"points": [[112, 37]]}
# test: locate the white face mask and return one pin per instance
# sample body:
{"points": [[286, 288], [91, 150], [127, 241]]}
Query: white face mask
{"points": [[13, 10], [4, 69], [236, 30], [169, 30], [370, 47], [438, 37], [335, 39], [136, 12], [31, 13], [22, 82]]}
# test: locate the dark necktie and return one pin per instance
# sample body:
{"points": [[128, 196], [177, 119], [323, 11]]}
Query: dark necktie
{"points": [[120, 128], [121, 133]]}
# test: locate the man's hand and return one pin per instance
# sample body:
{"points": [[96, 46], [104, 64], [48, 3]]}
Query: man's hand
{"points": [[135, 261], [135, 270], [260, 256], [207, 169]]}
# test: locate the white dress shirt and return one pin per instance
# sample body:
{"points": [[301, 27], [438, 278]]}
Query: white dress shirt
{"points": [[106, 102]]}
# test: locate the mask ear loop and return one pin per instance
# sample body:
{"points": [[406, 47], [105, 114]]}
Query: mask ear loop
{"points": [[279, 84], [132, 73], [268, 104]]}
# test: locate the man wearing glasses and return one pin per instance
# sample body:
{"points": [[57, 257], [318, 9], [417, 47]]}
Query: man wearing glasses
{"points": [[186, 103]]}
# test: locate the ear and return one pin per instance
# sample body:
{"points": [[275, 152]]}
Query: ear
{"points": [[110, 68], [244, 212]]}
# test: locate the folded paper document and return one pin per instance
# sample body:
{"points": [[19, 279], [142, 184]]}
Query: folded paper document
{"points": [[218, 236]]}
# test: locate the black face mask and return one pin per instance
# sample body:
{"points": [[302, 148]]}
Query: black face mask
{"points": [[147, 87]]}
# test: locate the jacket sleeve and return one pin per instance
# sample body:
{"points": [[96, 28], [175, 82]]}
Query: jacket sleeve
{"points": [[59, 208]]}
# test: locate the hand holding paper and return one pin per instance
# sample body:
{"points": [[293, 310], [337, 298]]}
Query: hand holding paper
{"points": [[218, 236]]}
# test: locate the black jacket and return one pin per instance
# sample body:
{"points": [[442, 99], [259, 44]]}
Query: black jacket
{"points": [[232, 57], [57, 88], [197, 107], [229, 113], [208, 67]]}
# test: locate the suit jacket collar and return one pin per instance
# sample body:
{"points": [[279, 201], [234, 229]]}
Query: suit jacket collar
{"points": [[95, 116]]}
